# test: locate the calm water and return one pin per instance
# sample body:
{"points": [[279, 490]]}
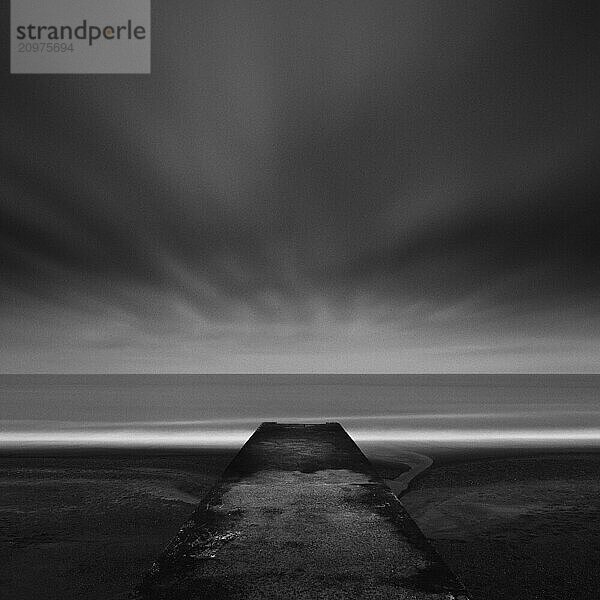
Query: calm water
{"points": [[199, 411]]}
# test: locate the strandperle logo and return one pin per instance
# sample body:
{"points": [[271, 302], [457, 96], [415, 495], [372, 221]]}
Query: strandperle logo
{"points": [[91, 33], [80, 36]]}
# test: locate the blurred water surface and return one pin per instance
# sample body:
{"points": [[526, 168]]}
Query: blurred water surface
{"points": [[419, 411]]}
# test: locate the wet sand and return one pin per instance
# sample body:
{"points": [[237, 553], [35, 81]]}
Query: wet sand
{"points": [[87, 526], [515, 528]]}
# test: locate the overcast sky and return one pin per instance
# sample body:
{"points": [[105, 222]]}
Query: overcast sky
{"points": [[311, 187]]}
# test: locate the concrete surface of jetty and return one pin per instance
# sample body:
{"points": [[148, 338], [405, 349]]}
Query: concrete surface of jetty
{"points": [[300, 513]]}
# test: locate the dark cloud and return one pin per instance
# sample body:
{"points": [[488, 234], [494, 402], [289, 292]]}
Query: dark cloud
{"points": [[363, 182]]}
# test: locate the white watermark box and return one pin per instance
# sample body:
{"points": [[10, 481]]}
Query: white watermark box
{"points": [[80, 36]]}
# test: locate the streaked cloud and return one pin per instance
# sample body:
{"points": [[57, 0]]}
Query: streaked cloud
{"points": [[403, 187]]}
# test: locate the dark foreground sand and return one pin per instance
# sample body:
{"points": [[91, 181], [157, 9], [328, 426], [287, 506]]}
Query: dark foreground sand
{"points": [[521, 528], [74, 527]]}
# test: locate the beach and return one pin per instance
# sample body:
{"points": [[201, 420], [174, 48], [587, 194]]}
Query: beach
{"points": [[499, 472], [90, 525], [515, 528]]}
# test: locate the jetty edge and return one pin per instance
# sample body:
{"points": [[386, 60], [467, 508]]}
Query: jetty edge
{"points": [[300, 513]]}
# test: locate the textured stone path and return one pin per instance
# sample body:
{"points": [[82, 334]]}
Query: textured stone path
{"points": [[300, 513]]}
